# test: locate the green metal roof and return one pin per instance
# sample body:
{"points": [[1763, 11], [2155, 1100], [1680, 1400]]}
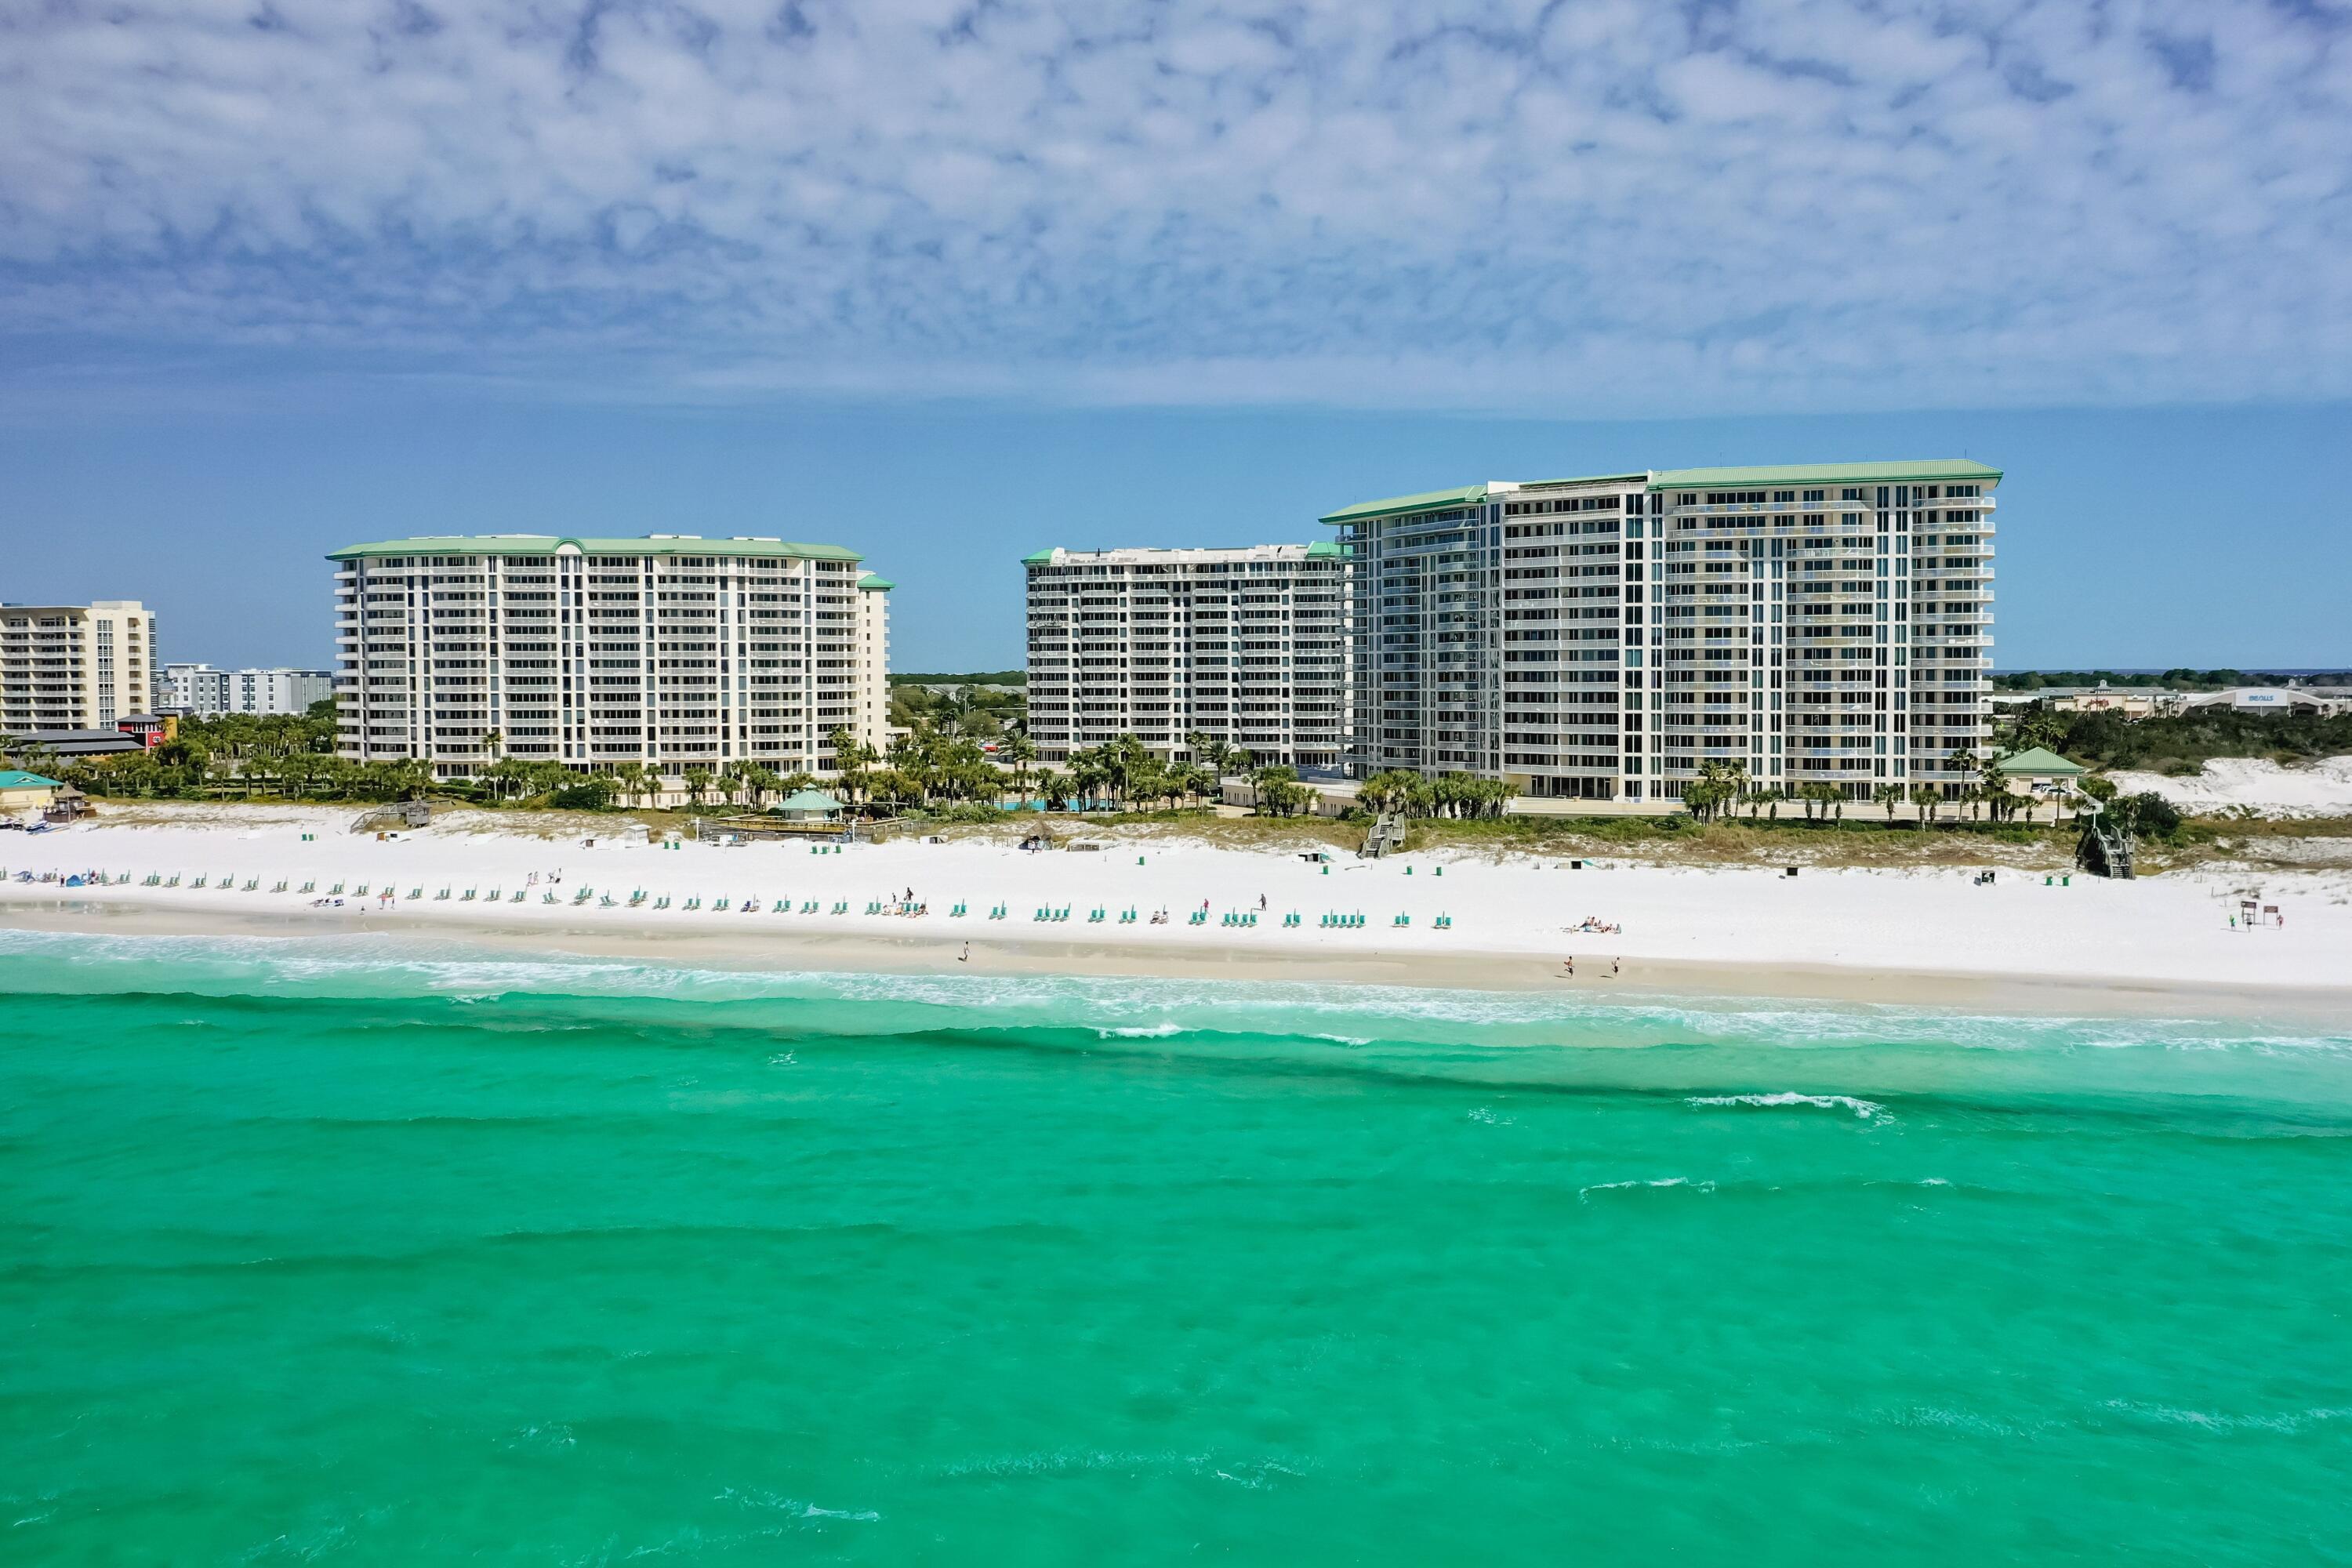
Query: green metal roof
{"points": [[874, 582], [808, 800], [1041, 557], [2041, 760], [17, 778], [1428, 500], [547, 545], [1899, 471], [1322, 548], [1593, 480]]}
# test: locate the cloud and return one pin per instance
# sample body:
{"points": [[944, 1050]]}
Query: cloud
{"points": [[1585, 206]]}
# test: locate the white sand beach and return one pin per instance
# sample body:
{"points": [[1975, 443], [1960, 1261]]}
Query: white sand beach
{"points": [[1513, 918]]}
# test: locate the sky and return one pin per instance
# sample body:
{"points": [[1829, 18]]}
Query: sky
{"points": [[946, 282]]}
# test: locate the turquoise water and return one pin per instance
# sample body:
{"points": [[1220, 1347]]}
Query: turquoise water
{"points": [[329, 1250]]}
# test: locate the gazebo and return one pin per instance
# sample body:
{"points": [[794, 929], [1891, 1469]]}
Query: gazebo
{"points": [[2040, 773], [809, 806]]}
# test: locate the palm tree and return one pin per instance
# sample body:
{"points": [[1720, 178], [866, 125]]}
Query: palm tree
{"points": [[697, 780], [1888, 797], [1020, 751], [1995, 784], [1926, 798]]}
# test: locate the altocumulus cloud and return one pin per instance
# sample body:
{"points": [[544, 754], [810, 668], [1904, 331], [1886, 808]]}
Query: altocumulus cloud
{"points": [[1616, 206]]}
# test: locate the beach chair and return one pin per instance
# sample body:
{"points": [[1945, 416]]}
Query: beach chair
{"points": [[783, 907], [338, 888], [580, 898], [1443, 922], [415, 893], [605, 902], [279, 889], [310, 886], [636, 898], [997, 914], [198, 882], [361, 892], [547, 898], [842, 907], [718, 908], [174, 882], [694, 903], [467, 897], [520, 895], [155, 880], [1096, 918], [440, 896], [662, 903], [253, 884]]}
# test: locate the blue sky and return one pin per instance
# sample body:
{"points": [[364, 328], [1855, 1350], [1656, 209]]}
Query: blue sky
{"points": [[947, 281]]}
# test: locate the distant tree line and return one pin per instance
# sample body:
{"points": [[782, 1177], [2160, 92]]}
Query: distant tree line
{"points": [[2170, 680], [2182, 743]]}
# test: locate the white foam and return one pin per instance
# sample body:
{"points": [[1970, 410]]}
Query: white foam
{"points": [[1864, 1108], [1584, 1195]]}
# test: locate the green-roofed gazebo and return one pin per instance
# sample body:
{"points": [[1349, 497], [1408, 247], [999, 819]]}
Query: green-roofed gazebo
{"points": [[809, 806], [2041, 762]]}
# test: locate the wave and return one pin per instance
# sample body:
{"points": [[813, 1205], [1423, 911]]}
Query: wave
{"points": [[1584, 1195], [1863, 1108]]}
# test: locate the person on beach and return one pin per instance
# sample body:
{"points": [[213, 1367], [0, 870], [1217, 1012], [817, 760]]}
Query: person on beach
{"points": [[1568, 967], [1613, 967], [965, 956]]}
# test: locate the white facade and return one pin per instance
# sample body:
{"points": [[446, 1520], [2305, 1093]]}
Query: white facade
{"points": [[1249, 646], [203, 691], [1603, 638], [670, 650], [75, 667]]}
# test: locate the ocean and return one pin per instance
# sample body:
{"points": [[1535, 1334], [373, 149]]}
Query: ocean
{"points": [[345, 1250]]}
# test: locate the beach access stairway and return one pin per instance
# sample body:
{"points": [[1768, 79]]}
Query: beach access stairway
{"points": [[1385, 836]]}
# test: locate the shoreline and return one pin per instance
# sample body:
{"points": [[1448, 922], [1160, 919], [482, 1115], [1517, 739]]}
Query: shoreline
{"points": [[935, 952]]}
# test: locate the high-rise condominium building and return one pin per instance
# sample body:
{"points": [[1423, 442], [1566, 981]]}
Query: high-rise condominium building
{"points": [[671, 650], [1249, 646], [75, 667], [1603, 638], [201, 691]]}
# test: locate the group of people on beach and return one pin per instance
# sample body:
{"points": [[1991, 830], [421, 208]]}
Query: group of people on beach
{"points": [[1568, 968]]}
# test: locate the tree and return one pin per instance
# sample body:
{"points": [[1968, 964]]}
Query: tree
{"points": [[1214, 753], [1018, 751], [1265, 786], [1888, 797], [1925, 799], [1994, 782], [698, 783]]}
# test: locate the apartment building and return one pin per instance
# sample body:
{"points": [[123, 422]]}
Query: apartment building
{"points": [[1249, 646], [203, 691], [74, 667], [1603, 638], [672, 650]]}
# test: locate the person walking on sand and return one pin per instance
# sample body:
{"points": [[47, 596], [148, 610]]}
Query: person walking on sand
{"points": [[1568, 967], [965, 956], [1613, 967]]}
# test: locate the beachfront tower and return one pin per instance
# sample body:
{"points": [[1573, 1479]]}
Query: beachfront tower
{"points": [[1603, 637], [670, 650], [1249, 646], [75, 667]]}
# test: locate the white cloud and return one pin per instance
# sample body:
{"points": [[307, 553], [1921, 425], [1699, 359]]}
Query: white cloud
{"points": [[1580, 208]]}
